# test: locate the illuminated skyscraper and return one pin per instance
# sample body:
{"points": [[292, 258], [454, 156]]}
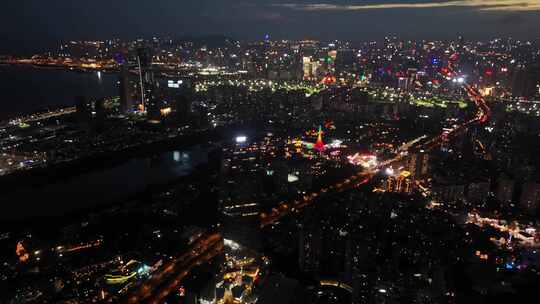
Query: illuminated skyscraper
{"points": [[126, 87], [182, 105], [400, 183], [403, 83], [418, 165], [311, 68], [126, 94], [150, 101]]}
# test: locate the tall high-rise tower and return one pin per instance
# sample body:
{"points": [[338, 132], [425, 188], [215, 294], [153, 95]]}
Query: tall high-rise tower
{"points": [[150, 101], [126, 93]]}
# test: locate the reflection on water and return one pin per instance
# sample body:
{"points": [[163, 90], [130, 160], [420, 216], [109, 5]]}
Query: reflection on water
{"points": [[181, 156], [175, 163]]}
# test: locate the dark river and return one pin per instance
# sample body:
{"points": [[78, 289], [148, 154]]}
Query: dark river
{"points": [[25, 90], [101, 186]]}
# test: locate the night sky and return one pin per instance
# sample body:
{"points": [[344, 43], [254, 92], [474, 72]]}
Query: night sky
{"points": [[30, 24]]}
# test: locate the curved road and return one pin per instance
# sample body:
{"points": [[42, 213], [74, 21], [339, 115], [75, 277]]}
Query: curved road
{"points": [[166, 279]]}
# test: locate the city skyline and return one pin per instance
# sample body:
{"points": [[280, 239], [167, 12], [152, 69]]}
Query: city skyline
{"points": [[262, 152], [44, 23]]}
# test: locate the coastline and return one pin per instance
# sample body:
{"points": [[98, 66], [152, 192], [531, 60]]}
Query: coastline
{"points": [[32, 89], [60, 67]]}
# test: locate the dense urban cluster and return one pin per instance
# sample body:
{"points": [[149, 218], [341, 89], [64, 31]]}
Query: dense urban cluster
{"points": [[304, 172]]}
